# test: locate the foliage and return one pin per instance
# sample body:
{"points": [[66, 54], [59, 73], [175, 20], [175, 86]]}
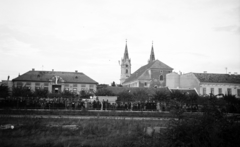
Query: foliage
{"points": [[85, 94], [4, 91], [40, 93], [213, 128], [22, 92], [125, 96], [161, 96], [104, 92], [113, 84], [140, 95]]}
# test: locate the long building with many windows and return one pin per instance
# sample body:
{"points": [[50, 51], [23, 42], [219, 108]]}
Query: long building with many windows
{"points": [[56, 81], [206, 83]]}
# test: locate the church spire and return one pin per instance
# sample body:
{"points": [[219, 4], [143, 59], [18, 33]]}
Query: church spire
{"points": [[152, 56], [126, 52]]}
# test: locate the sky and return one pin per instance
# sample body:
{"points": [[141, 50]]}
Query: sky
{"points": [[90, 36]]}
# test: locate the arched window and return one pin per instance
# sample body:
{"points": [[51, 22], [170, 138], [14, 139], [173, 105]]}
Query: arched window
{"points": [[161, 77], [126, 71]]}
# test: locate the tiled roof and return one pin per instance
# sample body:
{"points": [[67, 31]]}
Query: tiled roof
{"points": [[217, 78], [45, 76], [189, 91], [141, 70]]}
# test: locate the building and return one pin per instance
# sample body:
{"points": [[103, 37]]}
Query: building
{"points": [[125, 66], [206, 83], [152, 74], [56, 81]]}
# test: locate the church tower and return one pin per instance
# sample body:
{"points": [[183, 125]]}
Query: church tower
{"points": [[152, 56], [125, 66]]}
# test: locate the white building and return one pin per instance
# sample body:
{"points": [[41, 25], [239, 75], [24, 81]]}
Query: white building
{"points": [[206, 83]]}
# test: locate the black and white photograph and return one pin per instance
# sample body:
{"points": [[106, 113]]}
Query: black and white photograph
{"points": [[119, 73]]}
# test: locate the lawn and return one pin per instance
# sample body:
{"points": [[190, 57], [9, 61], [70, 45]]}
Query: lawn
{"points": [[36, 132]]}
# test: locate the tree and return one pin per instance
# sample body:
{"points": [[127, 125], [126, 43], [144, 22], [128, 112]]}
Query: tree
{"points": [[4, 91], [104, 92], [161, 96], [113, 84], [140, 95], [125, 96], [40, 93], [22, 92]]}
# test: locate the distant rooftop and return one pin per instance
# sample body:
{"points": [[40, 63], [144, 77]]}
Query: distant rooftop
{"points": [[218, 78], [46, 76]]}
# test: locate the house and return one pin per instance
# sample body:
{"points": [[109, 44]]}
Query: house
{"points": [[206, 83], [56, 81]]}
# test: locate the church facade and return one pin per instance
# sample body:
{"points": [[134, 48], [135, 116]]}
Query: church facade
{"points": [[153, 74]]}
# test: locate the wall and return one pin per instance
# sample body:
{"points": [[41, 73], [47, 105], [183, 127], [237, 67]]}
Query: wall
{"points": [[173, 80], [216, 86], [189, 81]]}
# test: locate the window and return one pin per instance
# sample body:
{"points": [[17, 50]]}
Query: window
{"points": [[19, 84], [74, 85], [238, 92], [75, 90], [219, 90], [229, 91], [28, 85], [145, 84], [212, 90], [126, 71], [37, 86], [204, 91], [161, 77], [126, 65], [83, 87]]}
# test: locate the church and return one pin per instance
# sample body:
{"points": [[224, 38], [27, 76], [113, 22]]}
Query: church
{"points": [[153, 74]]}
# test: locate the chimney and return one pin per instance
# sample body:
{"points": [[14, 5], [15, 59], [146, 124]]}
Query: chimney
{"points": [[76, 71], [8, 78], [205, 72], [52, 69], [229, 73], [33, 69]]}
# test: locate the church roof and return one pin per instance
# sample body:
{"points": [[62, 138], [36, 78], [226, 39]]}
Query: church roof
{"points": [[45, 76], [150, 65], [217, 78]]}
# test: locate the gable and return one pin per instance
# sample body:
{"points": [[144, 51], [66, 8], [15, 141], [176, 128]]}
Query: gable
{"points": [[143, 72]]}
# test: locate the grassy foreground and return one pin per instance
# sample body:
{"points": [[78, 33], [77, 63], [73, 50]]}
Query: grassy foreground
{"points": [[35, 132]]}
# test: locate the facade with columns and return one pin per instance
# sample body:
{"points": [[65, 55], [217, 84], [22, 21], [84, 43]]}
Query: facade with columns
{"points": [[153, 74], [56, 81]]}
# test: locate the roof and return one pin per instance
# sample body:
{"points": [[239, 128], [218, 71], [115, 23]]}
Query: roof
{"points": [[46, 76], [217, 78], [151, 91], [141, 70], [188, 91]]}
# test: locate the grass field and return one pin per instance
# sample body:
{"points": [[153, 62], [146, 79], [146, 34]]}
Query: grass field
{"points": [[36, 132]]}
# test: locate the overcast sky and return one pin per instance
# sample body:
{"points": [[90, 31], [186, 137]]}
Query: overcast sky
{"points": [[89, 35]]}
